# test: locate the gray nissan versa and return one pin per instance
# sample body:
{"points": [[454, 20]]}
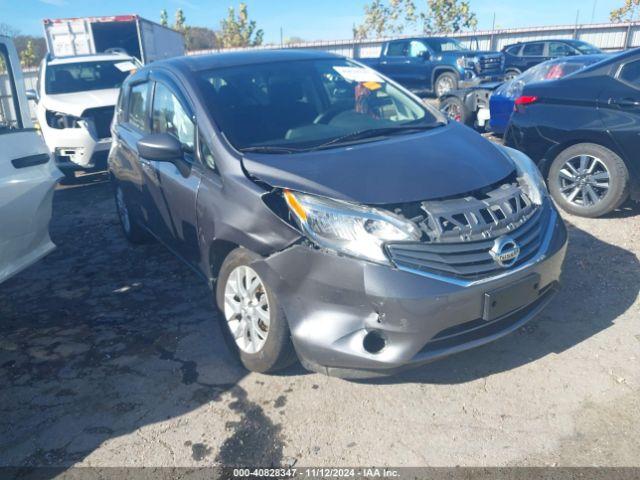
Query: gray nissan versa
{"points": [[337, 218]]}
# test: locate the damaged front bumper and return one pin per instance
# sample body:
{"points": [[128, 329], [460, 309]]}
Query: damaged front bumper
{"points": [[333, 303]]}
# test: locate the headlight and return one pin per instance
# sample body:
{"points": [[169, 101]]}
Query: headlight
{"points": [[347, 228], [62, 120], [529, 175]]}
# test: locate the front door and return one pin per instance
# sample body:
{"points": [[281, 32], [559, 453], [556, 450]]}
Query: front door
{"points": [[178, 182]]}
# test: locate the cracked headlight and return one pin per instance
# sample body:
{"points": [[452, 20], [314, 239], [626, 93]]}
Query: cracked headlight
{"points": [[347, 228], [528, 172]]}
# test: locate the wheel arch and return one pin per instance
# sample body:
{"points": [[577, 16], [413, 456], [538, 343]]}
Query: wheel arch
{"points": [[437, 71], [217, 253]]}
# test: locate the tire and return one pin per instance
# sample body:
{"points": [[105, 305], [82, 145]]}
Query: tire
{"points": [[444, 83], [455, 109], [132, 230], [273, 349], [577, 179]]}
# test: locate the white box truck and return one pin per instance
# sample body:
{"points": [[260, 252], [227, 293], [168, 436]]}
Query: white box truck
{"points": [[131, 34]]}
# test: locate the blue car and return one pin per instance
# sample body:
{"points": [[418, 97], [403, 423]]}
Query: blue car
{"points": [[489, 106]]}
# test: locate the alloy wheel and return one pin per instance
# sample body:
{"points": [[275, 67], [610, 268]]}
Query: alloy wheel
{"points": [[123, 212], [453, 111], [246, 309], [444, 85], [584, 180]]}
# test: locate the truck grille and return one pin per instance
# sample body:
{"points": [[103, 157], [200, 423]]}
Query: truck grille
{"points": [[490, 65], [463, 232], [101, 118]]}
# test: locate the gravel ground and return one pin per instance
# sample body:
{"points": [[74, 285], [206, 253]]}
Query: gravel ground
{"points": [[110, 356]]}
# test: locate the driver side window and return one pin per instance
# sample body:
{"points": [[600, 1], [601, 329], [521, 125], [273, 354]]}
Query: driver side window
{"points": [[416, 49], [170, 117]]}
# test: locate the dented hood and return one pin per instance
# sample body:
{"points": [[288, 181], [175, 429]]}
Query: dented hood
{"points": [[446, 161], [76, 103]]}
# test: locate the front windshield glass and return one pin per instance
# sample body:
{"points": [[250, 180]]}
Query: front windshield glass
{"points": [[586, 48], [440, 45], [308, 104], [86, 76]]}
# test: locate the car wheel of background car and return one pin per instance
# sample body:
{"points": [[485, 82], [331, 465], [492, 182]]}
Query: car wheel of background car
{"points": [[455, 109], [133, 232], [510, 75], [254, 324], [588, 180], [445, 82]]}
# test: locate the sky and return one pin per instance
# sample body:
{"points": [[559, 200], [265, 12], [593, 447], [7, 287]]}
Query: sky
{"points": [[310, 20]]}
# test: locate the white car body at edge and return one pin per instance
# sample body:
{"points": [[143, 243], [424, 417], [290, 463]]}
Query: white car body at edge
{"points": [[28, 178]]}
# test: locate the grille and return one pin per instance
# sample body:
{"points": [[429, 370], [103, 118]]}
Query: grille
{"points": [[462, 232], [101, 118], [490, 65]]}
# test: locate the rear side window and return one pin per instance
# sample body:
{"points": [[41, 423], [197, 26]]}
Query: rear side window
{"points": [[139, 106], [533, 50], [9, 106], [397, 49], [630, 73], [169, 116]]}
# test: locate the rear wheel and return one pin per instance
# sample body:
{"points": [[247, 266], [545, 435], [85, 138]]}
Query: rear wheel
{"points": [[253, 321], [588, 180], [445, 82], [133, 232], [455, 109]]}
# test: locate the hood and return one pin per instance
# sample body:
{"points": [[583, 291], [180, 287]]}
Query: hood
{"points": [[443, 162], [78, 102]]}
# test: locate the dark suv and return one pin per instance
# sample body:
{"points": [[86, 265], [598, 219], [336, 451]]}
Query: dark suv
{"points": [[522, 56], [334, 215]]}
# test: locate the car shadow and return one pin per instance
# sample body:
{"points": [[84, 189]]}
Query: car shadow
{"points": [[591, 297], [628, 209], [100, 339]]}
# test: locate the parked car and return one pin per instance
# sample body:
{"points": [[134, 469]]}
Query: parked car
{"points": [[27, 174], [583, 131], [489, 106], [128, 34], [434, 64], [75, 103], [334, 215], [520, 57]]}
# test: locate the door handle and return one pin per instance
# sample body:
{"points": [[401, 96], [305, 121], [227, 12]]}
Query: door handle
{"points": [[624, 102]]}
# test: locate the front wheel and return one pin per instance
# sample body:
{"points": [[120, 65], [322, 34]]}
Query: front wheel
{"points": [[510, 75], [588, 180], [253, 321], [445, 82], [455, 109]]}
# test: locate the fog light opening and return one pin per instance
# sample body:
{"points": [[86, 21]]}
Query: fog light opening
{"points": [[374, 342]]}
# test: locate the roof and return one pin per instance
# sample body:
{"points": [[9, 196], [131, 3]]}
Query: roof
{"points": [[99, 57], [244, 57]]}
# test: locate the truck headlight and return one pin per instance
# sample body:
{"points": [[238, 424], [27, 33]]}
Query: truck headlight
{"points": [[347, 228], [62, 120], [528, 173]]}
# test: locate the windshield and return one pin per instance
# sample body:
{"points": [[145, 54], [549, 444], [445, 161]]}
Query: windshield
{"points": [[86, 76], [586, 48], [307, 104], [440, 45], [550, 70]]}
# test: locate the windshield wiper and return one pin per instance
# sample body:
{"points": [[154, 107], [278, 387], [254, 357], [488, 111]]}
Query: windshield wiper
{"points": [[271, 149], [375, 132]]}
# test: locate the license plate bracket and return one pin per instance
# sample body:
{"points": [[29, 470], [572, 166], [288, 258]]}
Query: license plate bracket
{"points": [[509, 298]]}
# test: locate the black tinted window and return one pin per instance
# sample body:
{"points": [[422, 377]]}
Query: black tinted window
{"points": [[558, 49], [533, 50], [139, 106], [631, 73], [397, 49], [515, 50]]}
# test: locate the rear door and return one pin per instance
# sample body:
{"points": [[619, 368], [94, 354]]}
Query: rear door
{"points": [[532, 54], [178, 182], [27, 174], [620, 109]]}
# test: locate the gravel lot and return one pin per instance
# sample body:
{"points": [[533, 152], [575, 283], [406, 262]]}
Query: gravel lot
{"points": [[110, 356]]}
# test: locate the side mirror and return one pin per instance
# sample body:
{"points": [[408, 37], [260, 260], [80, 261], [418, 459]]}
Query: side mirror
{"points": [[161, 147], [32, 95]]}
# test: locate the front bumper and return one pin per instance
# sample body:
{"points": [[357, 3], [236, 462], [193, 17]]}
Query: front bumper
{"points": [[76, 148], [332, 302]]}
